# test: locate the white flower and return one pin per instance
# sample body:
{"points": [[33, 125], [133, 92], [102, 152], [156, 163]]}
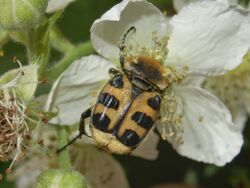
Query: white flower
{"points": [[55, 5], [178, 4], [202, 38]]}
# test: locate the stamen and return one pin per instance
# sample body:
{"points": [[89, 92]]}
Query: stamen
{"points": [[157, 51], [170, 125], [174, 76]]}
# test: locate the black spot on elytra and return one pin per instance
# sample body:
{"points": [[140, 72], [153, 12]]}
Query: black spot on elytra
{"points": [[130, 138], [142, 120], [100, 121], [155, 102], [108, 100], [117, 82]]}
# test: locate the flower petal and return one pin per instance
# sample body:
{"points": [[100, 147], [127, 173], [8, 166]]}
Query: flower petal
{"points": [[100, 168], [240, 118], [195, 80], [75, 90], [209, 37], [179, 4], [107, 31], [148, 149], [55, 5], [209, 134]]}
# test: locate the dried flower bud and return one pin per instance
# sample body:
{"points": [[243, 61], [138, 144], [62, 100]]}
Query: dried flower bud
{"points": [[21, 14], [13, 126], [17, 88]]}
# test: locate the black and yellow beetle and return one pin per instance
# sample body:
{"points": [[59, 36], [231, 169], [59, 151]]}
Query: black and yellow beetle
{"points": [[128, 105]]}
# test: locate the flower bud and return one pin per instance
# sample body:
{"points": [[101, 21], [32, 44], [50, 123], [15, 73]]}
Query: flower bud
{"points": [[58, 178], [21, 14]]}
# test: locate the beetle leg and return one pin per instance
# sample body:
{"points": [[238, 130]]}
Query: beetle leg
{"points": [[86, 114]]}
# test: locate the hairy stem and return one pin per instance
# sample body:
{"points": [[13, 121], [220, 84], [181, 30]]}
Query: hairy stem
{"points": [[64, 158], [59, 42], [31, 46]]}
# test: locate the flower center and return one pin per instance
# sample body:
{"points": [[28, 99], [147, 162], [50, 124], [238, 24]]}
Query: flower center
{"points": [[157, 51], [150, 62]]}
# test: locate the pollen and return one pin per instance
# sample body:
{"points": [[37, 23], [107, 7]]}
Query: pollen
{"points": [[174, 76], [157, 51], [170, 125]]}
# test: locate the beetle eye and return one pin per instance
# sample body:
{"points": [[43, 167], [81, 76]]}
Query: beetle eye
{"points": [[130, 138]]}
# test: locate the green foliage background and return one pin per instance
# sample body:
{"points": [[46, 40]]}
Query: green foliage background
{"points": [[169, 167]]}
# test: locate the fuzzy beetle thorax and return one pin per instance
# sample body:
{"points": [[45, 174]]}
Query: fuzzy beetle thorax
{"points": [[148, 68]]}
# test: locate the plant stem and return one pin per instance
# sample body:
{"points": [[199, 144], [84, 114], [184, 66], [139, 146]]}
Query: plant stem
{"points": [[64, 158], [75, 53], [59, 42], [31, 43]]}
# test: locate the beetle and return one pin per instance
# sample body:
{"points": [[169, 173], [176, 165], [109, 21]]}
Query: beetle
{"points": [[128, 105]]}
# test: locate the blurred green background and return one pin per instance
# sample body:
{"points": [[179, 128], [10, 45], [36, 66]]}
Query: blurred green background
{"points": [[169, 167]]}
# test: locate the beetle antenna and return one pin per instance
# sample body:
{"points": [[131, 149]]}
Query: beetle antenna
{"points": [[122, 45]]}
